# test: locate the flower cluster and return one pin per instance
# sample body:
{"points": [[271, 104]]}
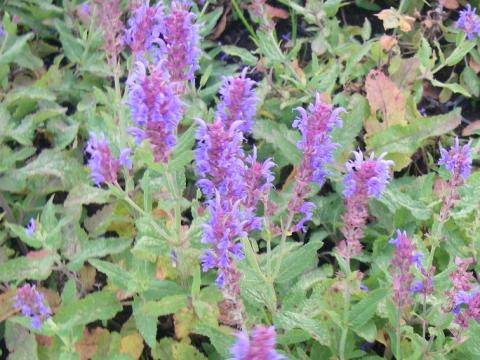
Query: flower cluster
{"points": [[144, 28], [109, 20], [469, 22], [458, 161], [103, 166], [31, 227], [316, 126], [223, 226], [404, 257], [464, 297], [232, 182], [238, 102], [219, 159], [180, 42], [259, 346], [32, 305], [365, 178], [156, 109]]}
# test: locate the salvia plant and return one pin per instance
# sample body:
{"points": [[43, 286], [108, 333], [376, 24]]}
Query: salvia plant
{"points": [[243, 180]]}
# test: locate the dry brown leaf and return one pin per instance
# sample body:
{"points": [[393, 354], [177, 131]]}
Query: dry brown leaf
{"points": [[87, 276], [472, 128], [274, 12], [383, 95], [387, 42], [43, 340], [474, 65], [222, 24], [449, 4], [88, 344], [406, 23]]}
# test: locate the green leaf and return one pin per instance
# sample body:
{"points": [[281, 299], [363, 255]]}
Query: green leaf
{"points": [[85, 194], [165, 306], [366, 308], [244, 55], [406, 139], [424, 53], [19, 231], [146, 324], [299, 261], [20, 342], [53, 163], [459, 53], [71, 46], [283, 139], [99, 248], [453, 87], [101, 305], [119, 277], [291, 320], [22, 268], [15, 51], [219, 337]]}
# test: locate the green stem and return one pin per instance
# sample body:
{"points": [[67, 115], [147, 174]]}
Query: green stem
{"points": [[398, 336], [346, 311], [239, 13], [283, 240]]}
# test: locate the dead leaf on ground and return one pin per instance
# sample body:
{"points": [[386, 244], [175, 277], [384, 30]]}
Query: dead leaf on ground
{"points": [[274, 12], [394, 20]]}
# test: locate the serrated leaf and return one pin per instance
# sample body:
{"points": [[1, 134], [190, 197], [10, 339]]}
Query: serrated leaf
{"points": [[245, 56], [165, 306], [99, 248], [459, 53], [298, 261], [85, 194], [146, 324], [290, 320], [23, 267], [101, 305]]}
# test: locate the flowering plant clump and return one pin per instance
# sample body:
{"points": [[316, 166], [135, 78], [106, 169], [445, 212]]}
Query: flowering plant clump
{"points": [[245, 180]]}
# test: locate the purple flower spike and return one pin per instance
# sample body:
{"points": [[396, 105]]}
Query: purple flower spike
{"points": [[403, 259], [365, 178], [457, 160], [155, 108], [180, 45], [103, 166], [222, 232], [32, 305], [31, 227], [469, 22], [238, 102], [219, 160], [260, 345], [144, 28], [316, 126]]}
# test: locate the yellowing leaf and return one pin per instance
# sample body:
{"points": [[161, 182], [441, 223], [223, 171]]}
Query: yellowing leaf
{"points": [[132, 345], [383, 95], [392, 19]]}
